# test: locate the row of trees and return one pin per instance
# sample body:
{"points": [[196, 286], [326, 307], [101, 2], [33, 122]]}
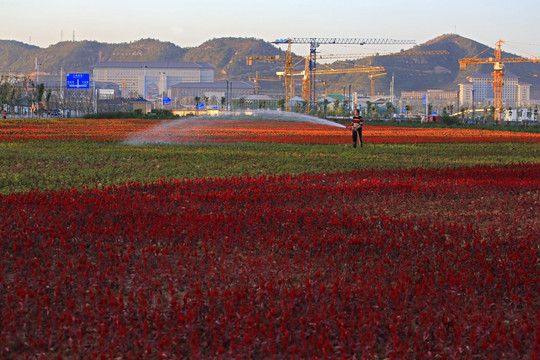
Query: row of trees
{"points": [[20, 91], [19, 95]]}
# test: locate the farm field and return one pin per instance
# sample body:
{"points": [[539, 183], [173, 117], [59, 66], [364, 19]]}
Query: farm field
{"points": [[267, 239]]}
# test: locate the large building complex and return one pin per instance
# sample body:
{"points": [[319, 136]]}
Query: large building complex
{"points": [[216, 89], [438, 100], [479, 89], [151, 79]]}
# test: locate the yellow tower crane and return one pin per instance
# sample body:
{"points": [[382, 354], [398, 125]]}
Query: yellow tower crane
{"points": [[314, 43], [373, 75], [498, 62], [287, 73], [306, 83]]}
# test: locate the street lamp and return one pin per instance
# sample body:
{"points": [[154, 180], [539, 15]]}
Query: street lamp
{"points": [[144, 82], [37, 68], [472, 106], [349, 99], [162, 88], [227, 96]]}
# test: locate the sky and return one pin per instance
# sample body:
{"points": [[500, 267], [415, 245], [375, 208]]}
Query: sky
{"points": [[191, 23]]}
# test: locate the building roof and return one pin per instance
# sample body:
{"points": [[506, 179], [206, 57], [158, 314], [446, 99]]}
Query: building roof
{"points": [[153, 65], [139, 100], [221, 84], [258, 97]]}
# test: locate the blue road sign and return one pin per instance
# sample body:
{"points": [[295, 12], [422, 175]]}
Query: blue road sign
{"points": [[78, 81], [424, 99], [166, 101]]}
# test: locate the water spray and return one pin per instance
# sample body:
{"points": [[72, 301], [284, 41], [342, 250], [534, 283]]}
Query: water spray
{"points": [[166, 131]]}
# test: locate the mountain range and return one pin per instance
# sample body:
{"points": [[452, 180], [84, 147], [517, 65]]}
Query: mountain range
{"points": [[228, 55]]}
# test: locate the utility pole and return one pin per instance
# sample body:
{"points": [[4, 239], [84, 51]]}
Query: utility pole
{"points": [[231, 96], [37, 68], [472, 118], [161, 77], [349, 107], [227, 96], [458, 95], [144, 83], [392, 89], [61, 90], [94, 93]]}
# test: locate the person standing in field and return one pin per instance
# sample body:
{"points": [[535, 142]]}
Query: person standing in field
{"points": [[357, 124]]}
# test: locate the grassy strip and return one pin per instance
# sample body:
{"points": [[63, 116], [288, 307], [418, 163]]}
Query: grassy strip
{"points": [[43, 165]]}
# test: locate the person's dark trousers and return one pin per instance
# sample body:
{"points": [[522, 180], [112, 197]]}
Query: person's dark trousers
{"points": [[357, 134]]}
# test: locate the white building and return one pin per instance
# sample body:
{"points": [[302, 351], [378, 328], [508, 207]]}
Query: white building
{"points": [[151, 79], [524, 94], [480, 86]]}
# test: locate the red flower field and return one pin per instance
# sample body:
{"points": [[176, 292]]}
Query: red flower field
{"points": [[196, 130], [414, 264]]}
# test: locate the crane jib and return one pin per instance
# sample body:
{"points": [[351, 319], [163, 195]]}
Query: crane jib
{"points": [[344, 41]]}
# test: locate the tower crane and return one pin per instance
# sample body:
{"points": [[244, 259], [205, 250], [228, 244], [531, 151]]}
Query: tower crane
{"points": [[288, 71], [314, 43], [498, 73], [373, 75], [306, 85]]}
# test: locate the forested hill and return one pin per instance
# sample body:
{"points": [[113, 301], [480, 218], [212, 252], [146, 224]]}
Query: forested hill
{"points": [[228, 55], [437, 71]]}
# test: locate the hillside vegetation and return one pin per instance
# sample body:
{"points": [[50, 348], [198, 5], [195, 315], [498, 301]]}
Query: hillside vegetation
{"points": [[228, 56]]}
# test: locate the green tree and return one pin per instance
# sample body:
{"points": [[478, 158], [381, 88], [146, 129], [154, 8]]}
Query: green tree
{"points": [[375, 110], [281, 104], [492, 111], [197, 100], [48, 97], [336, 106], [242, 102], [40, 92], [390, 109], [368, 106], [325, 106]]}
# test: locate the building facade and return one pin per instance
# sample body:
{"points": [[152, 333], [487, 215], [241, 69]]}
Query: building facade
{"points": [[216, 90], [438, 100], [479, 89], [151, 79], [524, 94], [433, 95]]}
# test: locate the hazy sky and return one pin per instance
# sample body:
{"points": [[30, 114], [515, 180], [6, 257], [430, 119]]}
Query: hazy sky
{"points": [[190, 23]]}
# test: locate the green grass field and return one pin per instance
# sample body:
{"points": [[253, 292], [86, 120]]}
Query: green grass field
{"points": [[61, 164]]}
